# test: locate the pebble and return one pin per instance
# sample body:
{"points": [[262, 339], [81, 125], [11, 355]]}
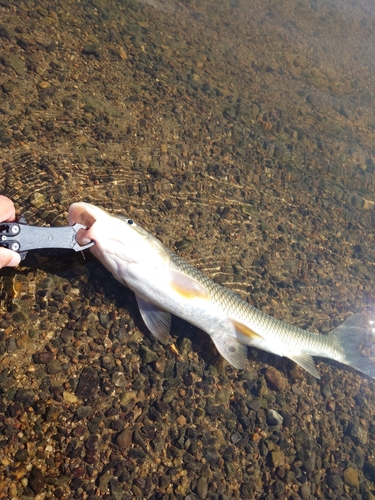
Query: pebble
{"points": [[37, 199], [54, 367], [275, 379], [124, 439], [83, 412], [127, 397], [273, 417], [69, 397], [119, 379], [351, 477], [147, 355], [278, 458], [202, 487], [36, 480], [88, 384]]}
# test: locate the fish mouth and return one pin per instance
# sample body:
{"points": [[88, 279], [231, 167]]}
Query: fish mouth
{"points": [[87, 215], [80, 213]]}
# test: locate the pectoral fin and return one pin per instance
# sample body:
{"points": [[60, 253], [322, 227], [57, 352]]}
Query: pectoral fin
{"points": [[188, 287], [231, 349], [156, 320]]}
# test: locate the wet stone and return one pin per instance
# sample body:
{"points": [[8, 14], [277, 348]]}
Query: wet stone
{"points": [[92, 442], [184, 346], [42, 357], [8, 87], [37, 200], [117, 425], [202, 487], [104, 320], [15, 63], [222, 396], [273, 417], [275, 379], [108, 362], [369, 470], [25, 396], [335, 482], [54, 367], [305, 491], [358, 433], [137, 454], [91, 49], [278, 458], [211, 455], [351, 477], [36, 480], [147, 355], [119, 379], [115, 489], [124, 439], [66, 335], [88, 384], [21, 456]]}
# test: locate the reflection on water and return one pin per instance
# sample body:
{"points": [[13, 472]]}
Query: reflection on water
{"points": [[241, 134]]}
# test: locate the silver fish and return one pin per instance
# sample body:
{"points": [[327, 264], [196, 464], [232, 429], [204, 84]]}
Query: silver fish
{"points": [[164, 283]]}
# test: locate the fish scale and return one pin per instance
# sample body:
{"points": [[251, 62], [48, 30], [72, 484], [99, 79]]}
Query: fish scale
{"points": [[292, 337]]}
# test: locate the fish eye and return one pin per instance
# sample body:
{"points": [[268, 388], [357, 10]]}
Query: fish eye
{"points": [[130, 222]]}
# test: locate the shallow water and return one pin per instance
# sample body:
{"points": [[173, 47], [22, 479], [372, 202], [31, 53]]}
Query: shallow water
{"points": [[241, 134]]}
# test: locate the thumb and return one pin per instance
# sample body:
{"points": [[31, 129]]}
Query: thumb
{"points": [[9, 258]]}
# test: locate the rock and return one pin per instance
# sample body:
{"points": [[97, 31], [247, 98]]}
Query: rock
{"points": [[37, 199], [305, 491], [119, 379], [127, 397], [357, 432], [115, 489], [147, 355], [124, 439], [15, 63], [202, 487], [88, 384], [275, 379], [278, 458], [83, 412], [92, 49], [25, 396], [69, 397], [54, 367], [184, 345], [211, 455], [21, 455], [351, 477], [369, 470], [42, 357], [36, 480], [273, 417]]}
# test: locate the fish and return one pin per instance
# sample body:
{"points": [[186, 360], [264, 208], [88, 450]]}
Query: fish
{"points": [[165, 284]]}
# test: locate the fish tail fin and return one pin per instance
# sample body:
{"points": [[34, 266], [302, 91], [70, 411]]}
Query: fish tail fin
{"points": [[349, 334]]}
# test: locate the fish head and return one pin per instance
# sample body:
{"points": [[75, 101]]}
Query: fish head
{"points": [[119, 241]]}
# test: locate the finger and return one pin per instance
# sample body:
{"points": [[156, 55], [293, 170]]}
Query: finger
{"points": [[9, 258], [7, 211]]}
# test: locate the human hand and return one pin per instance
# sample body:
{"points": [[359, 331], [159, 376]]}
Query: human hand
{"points": [[8, 258]]}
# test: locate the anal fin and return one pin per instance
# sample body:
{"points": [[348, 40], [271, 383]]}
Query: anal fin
{"points": [[306, 361], [232, 350], [157, 320]]}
